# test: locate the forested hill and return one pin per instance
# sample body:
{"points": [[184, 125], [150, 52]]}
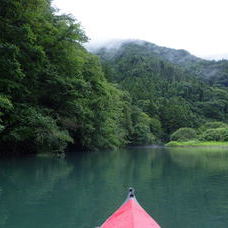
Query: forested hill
{"points": [[54, 93], [215, 72], [161, 85]]}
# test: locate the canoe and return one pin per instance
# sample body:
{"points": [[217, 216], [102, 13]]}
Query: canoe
{"points": [[130, 215]]}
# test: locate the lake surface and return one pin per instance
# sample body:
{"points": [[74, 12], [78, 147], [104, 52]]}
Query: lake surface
{"points": [[179, 187]]}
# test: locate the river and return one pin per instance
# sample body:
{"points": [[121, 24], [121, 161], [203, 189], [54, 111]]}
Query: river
{"points": [[179, 187]]}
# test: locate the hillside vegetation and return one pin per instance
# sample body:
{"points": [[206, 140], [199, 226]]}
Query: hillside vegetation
{"points": [[215, 72], [210, 133], [162, 83], [54, 93]]}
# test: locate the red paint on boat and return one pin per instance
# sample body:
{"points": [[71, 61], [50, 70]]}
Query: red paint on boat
{"points": [[130, 215]]}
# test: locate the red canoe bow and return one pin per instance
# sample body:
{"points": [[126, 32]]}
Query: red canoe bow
{"points": [[130, 215]]}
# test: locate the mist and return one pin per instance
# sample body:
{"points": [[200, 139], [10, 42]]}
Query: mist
{"points": [[198, 26]]}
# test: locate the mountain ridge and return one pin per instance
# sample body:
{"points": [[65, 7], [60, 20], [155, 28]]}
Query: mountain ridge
{"points": [[211, 70], [167, 85]]}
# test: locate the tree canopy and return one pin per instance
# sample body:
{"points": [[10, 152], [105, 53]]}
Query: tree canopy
{"points": [[54, 93]]}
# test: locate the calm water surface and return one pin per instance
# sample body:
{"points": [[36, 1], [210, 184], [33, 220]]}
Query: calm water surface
{"points": [[180, 188]]}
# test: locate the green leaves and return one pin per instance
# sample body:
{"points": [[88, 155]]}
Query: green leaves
{"points": [[10, 66], [53, 92], [5, 107], [39, 129], [5, 103], [144, 130], [57, 89], [173, 97], [184, 134], [217, 134]]}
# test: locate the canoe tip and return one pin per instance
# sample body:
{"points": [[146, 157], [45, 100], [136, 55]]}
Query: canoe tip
{"points": [[131, 189], [131, 192]]}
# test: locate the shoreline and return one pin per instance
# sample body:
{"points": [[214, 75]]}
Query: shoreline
{"points": [[195, 143]]}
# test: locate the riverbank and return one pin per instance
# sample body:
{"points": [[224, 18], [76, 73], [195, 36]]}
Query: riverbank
{"points": [[197, 143]]}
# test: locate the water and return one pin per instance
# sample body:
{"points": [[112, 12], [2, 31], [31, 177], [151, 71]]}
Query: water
{"points": [[180, 188]]}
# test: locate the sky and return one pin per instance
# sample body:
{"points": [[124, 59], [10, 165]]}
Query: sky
{"points": [[198, 26]]}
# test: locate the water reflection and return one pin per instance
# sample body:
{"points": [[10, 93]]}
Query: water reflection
{"points": [[204, 184], [179, 187], [25, 188], [210, 159]]}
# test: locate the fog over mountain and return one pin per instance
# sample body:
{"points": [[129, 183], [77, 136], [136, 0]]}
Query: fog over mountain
{"points": [[196, 26], [219, 56], [205, 68], [92, 46]]}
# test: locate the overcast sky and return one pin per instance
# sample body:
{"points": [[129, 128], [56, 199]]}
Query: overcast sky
{"points": [[199, 26]]}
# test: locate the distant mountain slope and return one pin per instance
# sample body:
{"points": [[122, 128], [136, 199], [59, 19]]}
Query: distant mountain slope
{"points": [[216, 72], [171, 86]]}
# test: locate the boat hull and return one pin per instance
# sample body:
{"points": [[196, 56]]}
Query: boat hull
{"points": [[130, 215]]}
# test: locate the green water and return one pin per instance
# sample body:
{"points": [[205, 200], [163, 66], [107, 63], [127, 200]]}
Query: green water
{"points": [[180, 188]]}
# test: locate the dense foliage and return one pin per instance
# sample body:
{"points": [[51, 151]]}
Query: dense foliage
{"points": [[209, 132], [167, 92], [214, 131], [218, 134], [52, 91], [183, 134]]}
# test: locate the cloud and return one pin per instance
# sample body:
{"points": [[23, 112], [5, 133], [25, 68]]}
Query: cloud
{"points": [[198, 26]]}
